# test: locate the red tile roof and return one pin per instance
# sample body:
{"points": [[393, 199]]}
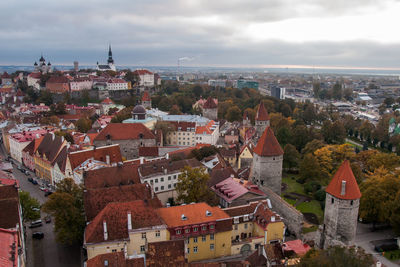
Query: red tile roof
{"points": [[159, 166], [148, 151], [5, 75], [166, 253], [115, 259], [209, 128], [231, 189], [268, 145], [116, 217], [142, 72], [112, 176], [99, 153], [344, 173], [107, 101], [8, 256], [195, 214], [183, 125], [210, 104], [297, 246], [58, 79], [125, 131], [35, 75], [96, 199], [262, 114], [146, 96], [9, 206]]}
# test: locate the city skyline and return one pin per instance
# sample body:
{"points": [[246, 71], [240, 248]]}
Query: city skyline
{"points": [[203, 33]]}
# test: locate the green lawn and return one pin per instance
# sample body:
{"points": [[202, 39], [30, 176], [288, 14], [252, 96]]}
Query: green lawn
{"points": [[392, 255], [290, 201], [312, 207], [306, 230], [293, 186], [354, 145]]}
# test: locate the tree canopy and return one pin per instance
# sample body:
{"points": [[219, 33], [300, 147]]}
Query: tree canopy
{"points": [[30, 206]]}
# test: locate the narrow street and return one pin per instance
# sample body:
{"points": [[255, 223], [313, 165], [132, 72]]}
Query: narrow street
{"points": [[45, 252]]}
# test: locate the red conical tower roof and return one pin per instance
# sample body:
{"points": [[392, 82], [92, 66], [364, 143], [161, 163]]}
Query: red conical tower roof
{"points": [[146, 96], [344, 184], [210, 103], [268, 146], [262, 114]]}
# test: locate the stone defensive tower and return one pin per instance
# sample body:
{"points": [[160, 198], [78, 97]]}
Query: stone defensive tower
{"points": [[246, 120], [341, 208], [146, 100], [262, 119], [210, 109], [267, 162]]}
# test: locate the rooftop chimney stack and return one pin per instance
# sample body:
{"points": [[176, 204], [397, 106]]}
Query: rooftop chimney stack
{"points": [[105, 230], [129, 221], [343, 191]]}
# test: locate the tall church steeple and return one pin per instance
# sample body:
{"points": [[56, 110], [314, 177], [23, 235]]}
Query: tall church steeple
{"points": [[110, 59]]}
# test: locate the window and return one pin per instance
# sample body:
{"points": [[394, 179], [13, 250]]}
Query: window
{"points": [[188, 250], [169, 186], [151, 182], [157, 233], [211, 236], [178, 232], [204, 228], [245, 218], [162, 179], [114, 250], [195, 249], [156, 181], [143, 235], [332, 200], [162, 187], [156, 189], [203, 238], [195, 239], [236, 227], [195, 229], [187, 230], [351, 202], [142, 248], [175, 176], [212, 226], [169, 178], [245, 226], [211, 246], [236, 220], [175, 185]]}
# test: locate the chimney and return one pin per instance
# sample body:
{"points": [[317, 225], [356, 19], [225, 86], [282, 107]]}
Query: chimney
{"points": [[141, 160], [105, 230], [108, 159], [343, 191], [167, 156], [129, 221]]}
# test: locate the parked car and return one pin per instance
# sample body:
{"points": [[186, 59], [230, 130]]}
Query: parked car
{"points": [[35, 224], [47, 219], [27, 173], [42, 188], [30, 179], [38, 235], [34, 182], [48, 193]]}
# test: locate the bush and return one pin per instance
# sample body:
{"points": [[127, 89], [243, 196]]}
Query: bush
{"points": [[301, 180], [319, 195], [311, 187]]}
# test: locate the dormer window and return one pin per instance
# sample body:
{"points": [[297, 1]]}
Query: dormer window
{"points": [[208, 213], [245, 218], [178, 232], [183, 217], [235, 220], [195, 229]]}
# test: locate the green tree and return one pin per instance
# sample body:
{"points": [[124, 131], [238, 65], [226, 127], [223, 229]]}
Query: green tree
{"points": [[30, 206], [337, 91], [66, 206], [316, 89], [192, 186], [197, 90], [234, 114], [122, 115], [312, 146], [310, 169], [165, 127], [291, 157], [284, 136], [83, 125], [337, 257], [395, 217]]}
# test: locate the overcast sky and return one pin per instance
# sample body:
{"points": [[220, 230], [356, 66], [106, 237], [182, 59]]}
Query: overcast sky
{"points": [[348, 33]]}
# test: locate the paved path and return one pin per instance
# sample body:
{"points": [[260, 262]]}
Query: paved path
{"points": [[45, 252], [365, 236]]}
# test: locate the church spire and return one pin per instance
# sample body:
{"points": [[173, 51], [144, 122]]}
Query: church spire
{"points": [[110, 59]]}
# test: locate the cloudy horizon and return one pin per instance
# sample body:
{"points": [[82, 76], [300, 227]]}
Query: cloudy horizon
{"points": [[255, 33]]}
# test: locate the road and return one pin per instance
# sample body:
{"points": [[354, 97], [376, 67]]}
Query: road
{"points": [[365, 236], [45, 252]]}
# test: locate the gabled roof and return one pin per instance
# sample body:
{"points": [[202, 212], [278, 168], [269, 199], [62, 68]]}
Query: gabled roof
{"points": [[58, 79], [146, 96], [268, 145], [125, 131], [142, 72], [344, 174], [61, 159], [96, 199], [115, 259], [107, 101], [218, 175], [231, 189], [262, 114], [166, 253], [112, 176], [8, 241], [9, 203], [96, 153], [210, 103], [194, 213], [50, 146], [116, 217], [168, 165]]}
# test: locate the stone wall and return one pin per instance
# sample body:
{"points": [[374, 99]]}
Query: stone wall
{"points": [[340, 220], [210, 113], [267, 171], [292, 218], [260, 126], [129, 148]]}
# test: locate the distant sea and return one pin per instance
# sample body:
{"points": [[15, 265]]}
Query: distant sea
{"points": [[183, 69]]}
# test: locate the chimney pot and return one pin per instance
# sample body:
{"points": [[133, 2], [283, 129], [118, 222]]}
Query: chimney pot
{"points": [[343, 191], [129, 220], [105, 230]]}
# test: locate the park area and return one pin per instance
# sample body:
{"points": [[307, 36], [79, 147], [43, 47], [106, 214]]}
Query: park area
{"points": [[303, 200]]}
